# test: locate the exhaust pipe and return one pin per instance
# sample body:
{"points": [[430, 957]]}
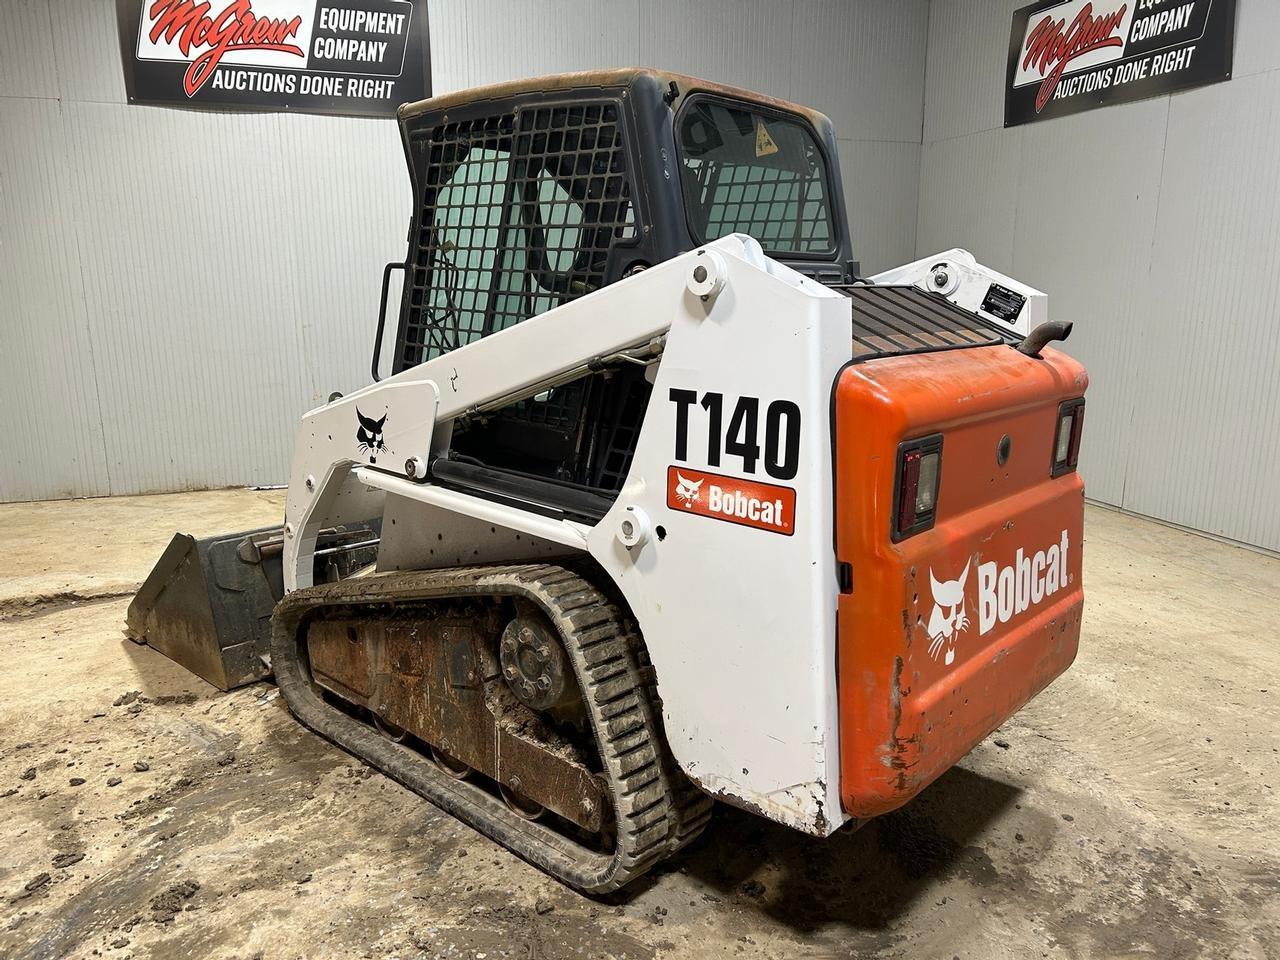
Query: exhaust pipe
{"points": [[1043, 335]]}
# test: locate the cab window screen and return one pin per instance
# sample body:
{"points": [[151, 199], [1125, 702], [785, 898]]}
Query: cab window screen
{"points": [[520, 212], [754, 173]]}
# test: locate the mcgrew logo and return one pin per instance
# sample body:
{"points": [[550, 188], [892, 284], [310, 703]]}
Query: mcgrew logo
{"points": [[1054, 45], [1005, 592], [194, 26]]}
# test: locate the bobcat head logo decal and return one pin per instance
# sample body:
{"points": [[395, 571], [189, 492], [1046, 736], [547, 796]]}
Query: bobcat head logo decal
{"points": [[687, 490], [369, 436], [948, 619]]}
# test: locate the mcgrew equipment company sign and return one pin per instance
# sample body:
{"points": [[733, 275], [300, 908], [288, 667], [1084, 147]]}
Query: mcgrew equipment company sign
{"points": [[1065, 57], [361, 57]]}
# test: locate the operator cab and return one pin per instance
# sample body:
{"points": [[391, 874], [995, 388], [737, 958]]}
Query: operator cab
{"points": [[531, 194]]}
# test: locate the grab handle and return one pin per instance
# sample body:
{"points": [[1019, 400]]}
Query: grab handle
{"points": [[382, 313]]}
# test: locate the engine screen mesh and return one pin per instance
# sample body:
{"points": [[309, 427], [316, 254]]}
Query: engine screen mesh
{"points": [[519, 213], [893, 320]]}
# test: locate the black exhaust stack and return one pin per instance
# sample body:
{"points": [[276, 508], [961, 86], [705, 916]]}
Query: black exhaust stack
{"points": [[1043, 335]]}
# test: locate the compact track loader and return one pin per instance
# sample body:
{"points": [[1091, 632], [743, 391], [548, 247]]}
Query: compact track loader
{"points": [[660, 502]]}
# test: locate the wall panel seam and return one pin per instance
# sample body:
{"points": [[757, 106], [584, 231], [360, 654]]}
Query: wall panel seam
{"points": [[907, 142], [83, 302], [53, 49], [924, 101], [1167, 96], [1151, 256], [961, 136], [16, 99]]}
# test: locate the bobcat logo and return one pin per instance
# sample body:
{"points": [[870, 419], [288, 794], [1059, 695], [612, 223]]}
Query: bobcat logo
{"points": [[687, 490], [945, 628], [369, 436]]}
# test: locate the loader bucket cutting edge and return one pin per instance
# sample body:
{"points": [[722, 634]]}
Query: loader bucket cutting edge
{"points": [[207, 603]]}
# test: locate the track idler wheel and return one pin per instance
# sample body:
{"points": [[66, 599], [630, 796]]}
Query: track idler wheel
{"points": [[452, 766], [518, 803], [390, 730]]}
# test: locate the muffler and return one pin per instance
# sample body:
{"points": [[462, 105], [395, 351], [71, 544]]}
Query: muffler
{"points": [[207, 603]]}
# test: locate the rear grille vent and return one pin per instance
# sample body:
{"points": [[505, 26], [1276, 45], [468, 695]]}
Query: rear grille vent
{"points": [[895, 320]]}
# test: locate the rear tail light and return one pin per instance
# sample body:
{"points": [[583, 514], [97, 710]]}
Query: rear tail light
{"points": [[915, 497], [1066, 442]]}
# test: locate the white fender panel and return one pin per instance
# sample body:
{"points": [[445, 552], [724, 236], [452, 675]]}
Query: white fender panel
{"points": [[739, 620]]}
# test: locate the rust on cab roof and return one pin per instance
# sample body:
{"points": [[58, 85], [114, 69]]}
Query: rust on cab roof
{"points": [[613, 77]]}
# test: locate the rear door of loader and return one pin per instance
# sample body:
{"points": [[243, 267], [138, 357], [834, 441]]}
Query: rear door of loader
{"points": [[952, 618]]}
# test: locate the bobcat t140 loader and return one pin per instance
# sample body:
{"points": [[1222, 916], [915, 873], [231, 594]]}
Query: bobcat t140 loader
{"points": [[660, 503]]}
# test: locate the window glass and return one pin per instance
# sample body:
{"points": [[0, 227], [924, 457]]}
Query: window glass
{"points": [[466, 223], [561, 218], [536, 270], [755, 173]]}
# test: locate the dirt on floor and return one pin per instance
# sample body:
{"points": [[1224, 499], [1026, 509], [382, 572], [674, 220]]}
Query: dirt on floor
{"points": [[1129, 811]]}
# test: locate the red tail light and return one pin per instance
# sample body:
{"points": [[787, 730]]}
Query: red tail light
{"points": [[1066, 442], [908, 487], [1077, 427], [916, 486]]}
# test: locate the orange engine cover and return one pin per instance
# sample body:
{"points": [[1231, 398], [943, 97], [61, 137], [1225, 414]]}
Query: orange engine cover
{"points": [[946, 633]]}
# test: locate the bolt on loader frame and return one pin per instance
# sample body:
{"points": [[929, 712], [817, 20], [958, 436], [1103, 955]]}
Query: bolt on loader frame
{"points": [[652, 503]]}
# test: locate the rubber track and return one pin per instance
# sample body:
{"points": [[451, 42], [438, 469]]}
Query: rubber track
{"points": [[657, 809]]}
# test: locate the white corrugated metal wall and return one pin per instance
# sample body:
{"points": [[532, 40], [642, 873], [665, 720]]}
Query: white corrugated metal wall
{"points": [[1154, 227], [177, 287]]}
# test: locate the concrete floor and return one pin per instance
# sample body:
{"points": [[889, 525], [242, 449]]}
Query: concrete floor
{"points": [[1129, 811]]}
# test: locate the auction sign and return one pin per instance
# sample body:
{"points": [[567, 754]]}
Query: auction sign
{"points": [[353, 57], [1065, 57]]}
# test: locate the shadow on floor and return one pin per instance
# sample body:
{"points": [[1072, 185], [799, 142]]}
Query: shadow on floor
{"points": [[158, 676], [865, 878]]}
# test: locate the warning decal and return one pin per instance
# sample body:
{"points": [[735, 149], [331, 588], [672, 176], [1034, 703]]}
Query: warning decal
{"points": [[764, 143]]}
